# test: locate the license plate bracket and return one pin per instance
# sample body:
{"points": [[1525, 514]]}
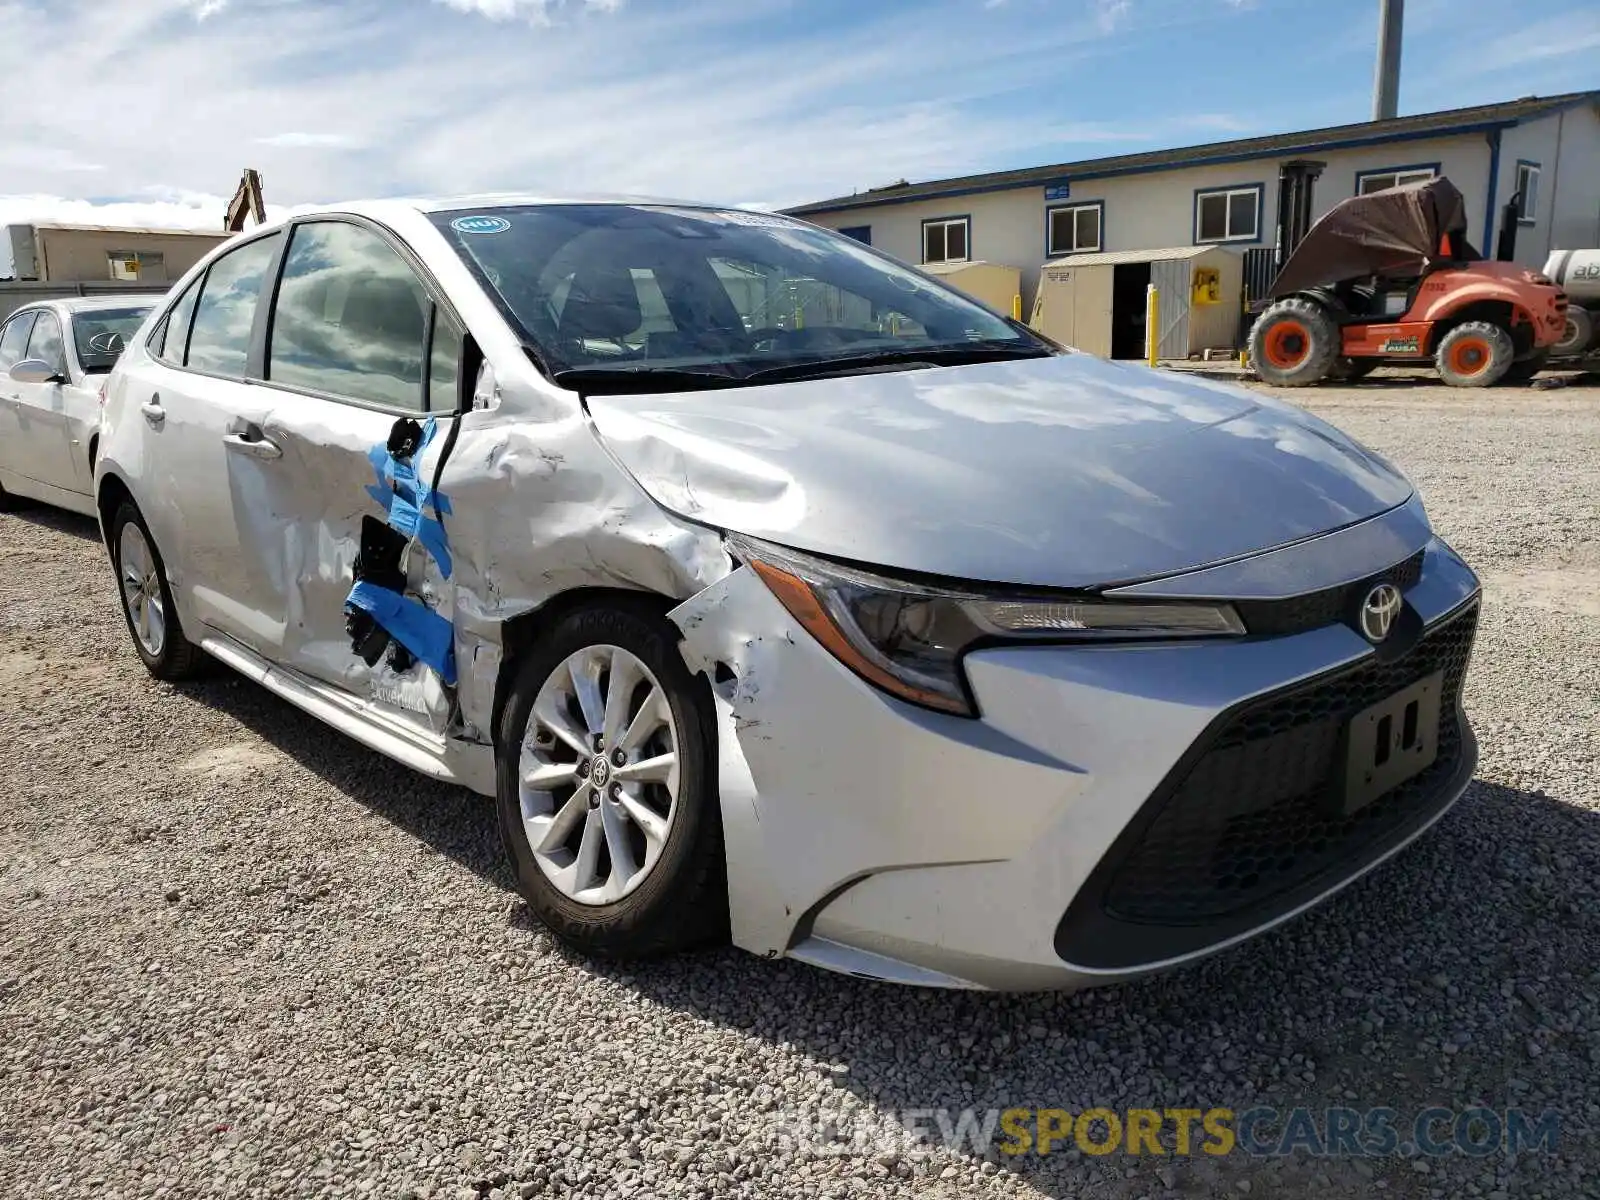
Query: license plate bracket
{"points": [[1388, 742]]}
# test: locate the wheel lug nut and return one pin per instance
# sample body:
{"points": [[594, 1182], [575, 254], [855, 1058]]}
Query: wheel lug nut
{"points": [[583, 770], [616, 791], [544, 737], [620, 759]]}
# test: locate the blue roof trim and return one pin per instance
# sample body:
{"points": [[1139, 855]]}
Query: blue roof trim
{"points": [[1209, 160]]}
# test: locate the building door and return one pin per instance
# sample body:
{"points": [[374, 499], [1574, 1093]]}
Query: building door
{"points": [[1129, 282]]}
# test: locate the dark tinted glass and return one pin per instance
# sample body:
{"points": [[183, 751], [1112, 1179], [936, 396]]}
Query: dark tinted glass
{"points": [[46, 344], [220, 340], [351, 318], [444, 367], [1213, 218], [1242, 214], [14, 340]]}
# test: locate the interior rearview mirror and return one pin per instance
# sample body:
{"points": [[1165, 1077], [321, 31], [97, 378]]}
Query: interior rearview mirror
{"points": [[36, 370]]}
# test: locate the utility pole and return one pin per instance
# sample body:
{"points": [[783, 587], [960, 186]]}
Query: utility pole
{"points": [[1386, 86]]}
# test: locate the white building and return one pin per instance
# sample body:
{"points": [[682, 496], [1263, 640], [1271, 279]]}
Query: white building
{"points": [[1226, 193]]}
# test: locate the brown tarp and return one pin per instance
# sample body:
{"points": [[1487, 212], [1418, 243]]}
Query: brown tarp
{"points": [[1394, 232]]}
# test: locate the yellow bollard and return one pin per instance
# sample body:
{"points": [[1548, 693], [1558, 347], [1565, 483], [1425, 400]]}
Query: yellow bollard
{"points": [[1152, 327], [1016, 308]]}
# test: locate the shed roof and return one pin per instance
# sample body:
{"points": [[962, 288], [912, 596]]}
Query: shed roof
{"points": [[1436, 124], [1107, 258]]}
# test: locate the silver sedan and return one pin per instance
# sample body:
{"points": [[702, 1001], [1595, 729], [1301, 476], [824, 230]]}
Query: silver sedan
{"points": [[777, 591], [54, 356]]}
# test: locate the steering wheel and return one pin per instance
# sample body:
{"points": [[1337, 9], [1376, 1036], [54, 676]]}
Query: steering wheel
{"points": [[765, 339], [109, 342]]}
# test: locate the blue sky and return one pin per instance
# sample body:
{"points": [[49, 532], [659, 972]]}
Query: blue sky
{"points": [[154, 106]]}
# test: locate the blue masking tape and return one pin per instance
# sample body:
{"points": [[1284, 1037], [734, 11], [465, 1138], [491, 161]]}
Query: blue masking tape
{"points": [[411, 623], [407, 497]]}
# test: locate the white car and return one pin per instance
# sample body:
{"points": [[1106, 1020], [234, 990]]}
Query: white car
{"points": [[773, 588], [54, 355]]}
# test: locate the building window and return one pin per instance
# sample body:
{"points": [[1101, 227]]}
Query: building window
{"points": [[1368, 182], [947, 240], [861, 233], [1228, 214], [137, 266], [1074, 229], [1527, 192]]}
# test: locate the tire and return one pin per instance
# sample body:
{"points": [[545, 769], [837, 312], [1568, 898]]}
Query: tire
{"points": [[1474, 354], [1524, 369], [1351, 370], [141, 585], [1294, 343], [1577, 335], [678, 897]]}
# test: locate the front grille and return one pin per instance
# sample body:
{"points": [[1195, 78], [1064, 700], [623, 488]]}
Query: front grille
{"points": [[1254, 816], [1275, 618]]}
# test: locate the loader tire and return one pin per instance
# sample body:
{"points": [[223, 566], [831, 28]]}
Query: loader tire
{"points": [[1295, 343], [1475, 354]]}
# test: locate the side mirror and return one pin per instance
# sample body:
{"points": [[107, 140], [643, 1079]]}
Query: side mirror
{"points": [[36, 370]]}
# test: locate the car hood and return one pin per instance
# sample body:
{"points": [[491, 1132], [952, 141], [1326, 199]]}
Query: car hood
{"points": [[1067, 471]]}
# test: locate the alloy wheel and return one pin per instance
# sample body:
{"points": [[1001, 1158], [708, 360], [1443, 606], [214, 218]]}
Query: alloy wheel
{"points": [[598, 774], [141, 589]]}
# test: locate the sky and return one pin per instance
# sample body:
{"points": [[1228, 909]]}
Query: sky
{"points": [[146, 111]]}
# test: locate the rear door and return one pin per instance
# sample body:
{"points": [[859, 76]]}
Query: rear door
{"points": [[205, 486], [359, 347], [13, 348], [42, 438]]}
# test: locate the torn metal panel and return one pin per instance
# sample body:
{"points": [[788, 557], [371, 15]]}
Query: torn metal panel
{"points": [[870, 784], [539, 509]]}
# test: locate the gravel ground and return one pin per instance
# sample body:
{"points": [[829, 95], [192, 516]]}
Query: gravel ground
{"points": [[240, 955]]}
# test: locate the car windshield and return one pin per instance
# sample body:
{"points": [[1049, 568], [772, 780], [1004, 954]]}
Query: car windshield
{"points": [[100, 334], [604, 294]]}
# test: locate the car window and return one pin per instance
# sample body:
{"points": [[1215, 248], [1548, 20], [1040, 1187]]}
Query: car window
{"points": [[14, 340], [220, 339], [351, 318], [444, 364], [173, 340], [100, 334], [46, 344]]}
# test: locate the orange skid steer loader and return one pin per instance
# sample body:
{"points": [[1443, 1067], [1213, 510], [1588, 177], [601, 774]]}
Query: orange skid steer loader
{"points": [[1390, 277]]}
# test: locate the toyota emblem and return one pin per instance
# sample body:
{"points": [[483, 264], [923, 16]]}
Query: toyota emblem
{"points": [[1378, 611]]}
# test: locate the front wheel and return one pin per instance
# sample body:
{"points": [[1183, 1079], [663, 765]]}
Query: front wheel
{"points": [[1294, 343], [607, 788], [1475, 354]]}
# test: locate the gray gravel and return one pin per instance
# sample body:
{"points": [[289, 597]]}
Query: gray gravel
{"points": [[240, 955]]}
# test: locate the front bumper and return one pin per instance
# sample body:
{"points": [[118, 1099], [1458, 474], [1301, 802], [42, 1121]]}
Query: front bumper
{"points": [[1116, 810]]}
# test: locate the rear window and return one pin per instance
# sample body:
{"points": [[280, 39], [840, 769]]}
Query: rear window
{"points": [[100, 335]]}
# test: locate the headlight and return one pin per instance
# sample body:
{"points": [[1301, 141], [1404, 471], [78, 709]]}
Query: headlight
{"points": [[908, 638]]}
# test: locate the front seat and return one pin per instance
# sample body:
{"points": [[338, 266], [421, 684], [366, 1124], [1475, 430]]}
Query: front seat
{"points": [[602, 305]]}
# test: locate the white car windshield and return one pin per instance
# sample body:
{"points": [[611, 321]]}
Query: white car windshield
{"points": [[604, 293]]}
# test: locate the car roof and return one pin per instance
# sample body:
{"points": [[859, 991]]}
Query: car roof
{"points": [[381, 210], [84, 304]]}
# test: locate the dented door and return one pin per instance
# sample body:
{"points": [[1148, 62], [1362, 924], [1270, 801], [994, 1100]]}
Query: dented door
{"points": [[359, 349]]}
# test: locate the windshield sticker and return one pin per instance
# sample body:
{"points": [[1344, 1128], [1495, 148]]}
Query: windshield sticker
{"points": [[480, 224]]}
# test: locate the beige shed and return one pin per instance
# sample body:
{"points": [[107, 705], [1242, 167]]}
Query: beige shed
{"points": [[988, 283], [1096, 302]]}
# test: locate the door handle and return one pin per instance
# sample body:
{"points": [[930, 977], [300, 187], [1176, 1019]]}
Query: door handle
{"points": [[252, 443], [153, 412]]}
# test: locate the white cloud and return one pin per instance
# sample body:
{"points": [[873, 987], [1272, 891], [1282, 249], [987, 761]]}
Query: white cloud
{"points": [[1111, 15], [299, 140], [535, 10], [207, 8]]}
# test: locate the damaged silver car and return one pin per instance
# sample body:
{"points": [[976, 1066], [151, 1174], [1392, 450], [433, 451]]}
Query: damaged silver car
{"points": [[777, 591]]}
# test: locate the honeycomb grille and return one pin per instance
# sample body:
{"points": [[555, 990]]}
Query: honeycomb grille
{"points": [[1255, 816], [1327, 607]]}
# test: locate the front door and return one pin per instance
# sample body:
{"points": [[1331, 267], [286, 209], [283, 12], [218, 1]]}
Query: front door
{"points": [[357, 349], [42, 437]]}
